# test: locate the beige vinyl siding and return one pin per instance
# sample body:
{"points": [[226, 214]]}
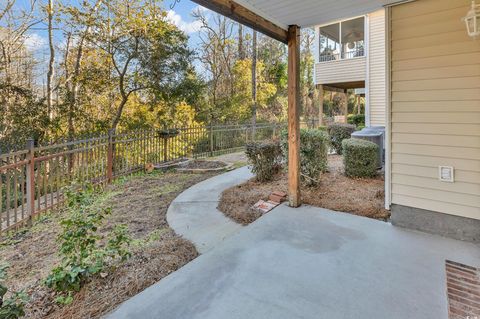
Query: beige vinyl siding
{"points": [[435, 107], [376, 74], [340, 71]]}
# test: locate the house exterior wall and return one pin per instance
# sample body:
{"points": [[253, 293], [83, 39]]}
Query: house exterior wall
{"points": [[435, 107], [376, 65]]}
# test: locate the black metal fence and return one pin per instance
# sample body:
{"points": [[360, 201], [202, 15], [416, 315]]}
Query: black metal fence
{"points": [[32, 179]]}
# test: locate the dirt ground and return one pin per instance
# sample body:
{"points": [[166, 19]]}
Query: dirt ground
{"points": [[364, 197], [141, 202], [203, 164], [238, 158]]}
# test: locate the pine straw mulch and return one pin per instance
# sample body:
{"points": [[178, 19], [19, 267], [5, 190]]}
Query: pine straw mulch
{"points": [[203, 164], [141, 202], [364, 197]]}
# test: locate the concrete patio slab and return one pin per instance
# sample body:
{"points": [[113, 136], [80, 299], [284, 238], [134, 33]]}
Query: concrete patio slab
{"points": [[194, 215], [310, 263]]}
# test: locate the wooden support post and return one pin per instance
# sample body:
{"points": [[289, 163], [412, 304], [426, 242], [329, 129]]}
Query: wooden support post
{"points": [[359, 105], [345, 105], [320, 106], [110, 157], [294, 116], [30, 181]]}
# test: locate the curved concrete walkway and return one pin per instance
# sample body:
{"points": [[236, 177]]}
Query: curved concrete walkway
{"points": [[309, 263], [194, 214]]}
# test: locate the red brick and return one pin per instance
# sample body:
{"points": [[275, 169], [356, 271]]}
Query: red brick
{"points": [[463, 290], [277, 199], [281, 194]]}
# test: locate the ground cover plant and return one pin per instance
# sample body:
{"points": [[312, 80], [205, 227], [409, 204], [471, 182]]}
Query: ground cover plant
{"points": [[12, 303], [81, 250], [139, 202]]}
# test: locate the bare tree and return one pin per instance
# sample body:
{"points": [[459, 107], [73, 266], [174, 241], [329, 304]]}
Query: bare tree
{"points": [[85, 20], [218, 55], [241, 48], [254, 83], [51, 62], [16, 24]]}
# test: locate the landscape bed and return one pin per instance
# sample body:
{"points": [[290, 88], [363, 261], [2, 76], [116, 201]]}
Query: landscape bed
{"points": [[359, 196], [202, 166], [141, 203]]}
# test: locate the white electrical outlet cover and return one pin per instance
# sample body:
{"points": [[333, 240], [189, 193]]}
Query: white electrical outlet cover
{"points": [[445, 174]]}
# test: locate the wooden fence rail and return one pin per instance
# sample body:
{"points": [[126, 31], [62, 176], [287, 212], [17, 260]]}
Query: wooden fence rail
{"points": [[32, 179]]}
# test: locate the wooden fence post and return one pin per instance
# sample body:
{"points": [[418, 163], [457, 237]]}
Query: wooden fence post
{"points": [[30, 180], [110, 157]]}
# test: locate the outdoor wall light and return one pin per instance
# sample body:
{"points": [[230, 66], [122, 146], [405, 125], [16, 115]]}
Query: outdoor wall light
{"points": [[472, 20]]}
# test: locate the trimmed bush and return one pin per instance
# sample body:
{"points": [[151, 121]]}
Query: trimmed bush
{"points": [[356, 119], [339, 132], [360, 158], [314, 145], [265, 158], [322, 128]]}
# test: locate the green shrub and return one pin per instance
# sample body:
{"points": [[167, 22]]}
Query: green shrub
{"points": [[10, 307], [80, 247], [360, 158], [356, 119], [265, 158], [322, 128], [339, 132], [313, 153]]}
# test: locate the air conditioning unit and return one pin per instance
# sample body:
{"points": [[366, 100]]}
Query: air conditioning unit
{"points": [[374, 136]]}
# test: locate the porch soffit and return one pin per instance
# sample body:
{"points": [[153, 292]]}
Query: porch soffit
{"points": [[308, 13]]}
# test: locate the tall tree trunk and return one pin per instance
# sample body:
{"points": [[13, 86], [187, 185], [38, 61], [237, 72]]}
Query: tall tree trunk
{"points": [[254, 84], [72, 83], [51, 63], [241, 50], [118, 114]]}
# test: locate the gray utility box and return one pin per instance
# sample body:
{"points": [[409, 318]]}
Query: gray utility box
{"points": [[376, 129], [375, 136]]}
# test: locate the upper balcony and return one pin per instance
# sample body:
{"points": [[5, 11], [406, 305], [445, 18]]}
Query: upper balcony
{"points": [[341, 52]]}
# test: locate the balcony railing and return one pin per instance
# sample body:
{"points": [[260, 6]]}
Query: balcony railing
{"points": [[324, 57]]}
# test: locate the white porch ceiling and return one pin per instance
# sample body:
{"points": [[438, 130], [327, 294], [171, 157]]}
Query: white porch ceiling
{"points": [[307, 13]]}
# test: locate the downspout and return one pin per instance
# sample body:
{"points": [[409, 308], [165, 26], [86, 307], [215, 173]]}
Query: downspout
{"points": [[367, 76], [388, 119]]}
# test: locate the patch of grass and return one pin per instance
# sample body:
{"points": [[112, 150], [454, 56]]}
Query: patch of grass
{"points": [[151, 237], [186, 177], [168, 188], [104, 197], [239, 164], [122, 180], [17, 236]]}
